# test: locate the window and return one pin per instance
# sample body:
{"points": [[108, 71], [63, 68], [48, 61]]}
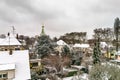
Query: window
{"points": [[112, 54], [0, 75], [3, 76], [35, 64], [118, 63], [17, 48]]}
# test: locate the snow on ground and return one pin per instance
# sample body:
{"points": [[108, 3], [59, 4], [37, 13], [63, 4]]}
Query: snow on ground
{"points": [[80, 77], [69, 70]]}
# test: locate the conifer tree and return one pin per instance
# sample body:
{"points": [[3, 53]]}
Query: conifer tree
{"points": [[116, 31], [96, 53], [65, 50], [44, 45]]}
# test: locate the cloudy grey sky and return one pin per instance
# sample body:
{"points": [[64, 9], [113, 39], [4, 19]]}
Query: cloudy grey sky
{"points": [[58, 16]]}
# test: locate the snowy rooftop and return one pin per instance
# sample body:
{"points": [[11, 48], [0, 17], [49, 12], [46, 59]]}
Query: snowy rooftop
{"points": [[77, 67], [35, 60], [69, 70], [7, 67], [103, 44], [81, 45], [117, 53], [9, 40], [77, 45], [61, 43], [1, 39], [115, 60], [18, 60]]}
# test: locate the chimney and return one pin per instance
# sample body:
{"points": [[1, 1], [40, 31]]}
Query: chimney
{"points": [[8, 34], [17, 36], [10, 52]]}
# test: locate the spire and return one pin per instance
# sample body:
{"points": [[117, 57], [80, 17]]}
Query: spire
{"points": [[43, 32]]}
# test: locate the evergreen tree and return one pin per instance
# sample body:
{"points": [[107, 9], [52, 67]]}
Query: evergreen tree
{"points": [[65, 50], [116, 31], [44, 44], [96, 53]]}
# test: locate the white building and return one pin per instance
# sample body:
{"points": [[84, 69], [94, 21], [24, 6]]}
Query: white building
{"points": [[61, 44], [10, 42], [14, 62], [14, 66], [81, 47]]}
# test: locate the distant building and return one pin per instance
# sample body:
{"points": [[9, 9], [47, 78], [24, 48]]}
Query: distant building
{"points": [[81, 46], [35, 64], [117, 55], [60, 44]]}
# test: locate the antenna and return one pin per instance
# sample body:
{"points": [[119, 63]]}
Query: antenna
{"points": [[13, 30]]}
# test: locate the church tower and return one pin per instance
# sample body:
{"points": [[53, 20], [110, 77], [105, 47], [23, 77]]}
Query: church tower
{"points": [[42, 32]]}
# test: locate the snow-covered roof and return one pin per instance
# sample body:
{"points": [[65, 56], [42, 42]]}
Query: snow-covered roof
{"points": [[1, 39], [21, 61], [35, 60], [69, 70], [77, 67], [117, 53], [81, 45], [77, 45], [9, 40], [61, 43], [103, 44], [7, 67], [115, 60]]}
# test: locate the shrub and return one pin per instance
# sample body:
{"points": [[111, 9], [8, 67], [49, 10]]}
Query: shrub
{"points": [[71, 73], [105, 72]]}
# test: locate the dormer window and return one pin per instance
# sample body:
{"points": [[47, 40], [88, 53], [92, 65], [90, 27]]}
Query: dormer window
{"points": [[7, 71]]}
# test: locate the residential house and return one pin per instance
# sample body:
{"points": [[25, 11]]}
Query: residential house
{"points": [[61, 44], [14, 65], [10, 42], [14, 61]]}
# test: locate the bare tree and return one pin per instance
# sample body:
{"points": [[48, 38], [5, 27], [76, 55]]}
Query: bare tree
{"points": [[56, 62], [74, 37], [105, 34]]}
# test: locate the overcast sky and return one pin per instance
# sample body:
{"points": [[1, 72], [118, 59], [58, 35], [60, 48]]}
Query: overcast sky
{"points": [[58, 16]]}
